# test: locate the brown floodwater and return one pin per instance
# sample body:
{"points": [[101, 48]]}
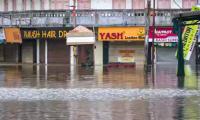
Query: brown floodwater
{"points": [[59, 92]]}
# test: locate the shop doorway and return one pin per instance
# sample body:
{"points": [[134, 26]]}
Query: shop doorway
{"points": [[86, 55]]}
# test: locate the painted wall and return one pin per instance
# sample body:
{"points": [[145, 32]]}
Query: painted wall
{"points": [[128, 4], [101, 4], [1, 5], [28, 4], [37, 4], [10, 5], [19, 5], [46, 4], [119, 4]]}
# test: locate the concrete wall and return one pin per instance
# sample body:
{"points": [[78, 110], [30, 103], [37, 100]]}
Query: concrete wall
{"points": [[10, 5], [28, 4], [101, 4], [128, 4], [46, 5], [37, 4], [19, 5], [1, 5]]}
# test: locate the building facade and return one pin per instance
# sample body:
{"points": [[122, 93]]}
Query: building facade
{"points": [[44, 23]]}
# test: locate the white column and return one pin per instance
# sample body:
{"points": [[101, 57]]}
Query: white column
{"points": [[73, 53], [98, 53], [38, 75], [129, 4], [38, 51], [46, 52]]}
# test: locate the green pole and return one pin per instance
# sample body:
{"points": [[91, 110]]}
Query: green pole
{"points": [[181, 71]]}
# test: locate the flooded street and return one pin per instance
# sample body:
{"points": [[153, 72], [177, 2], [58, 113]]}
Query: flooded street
{"points": [[58, 92]]}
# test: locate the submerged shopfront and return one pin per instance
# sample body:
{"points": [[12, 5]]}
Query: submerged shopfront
{"points": [[48, 45], [122, 44], [165, 43]]}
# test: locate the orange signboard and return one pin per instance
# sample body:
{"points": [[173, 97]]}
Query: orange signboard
{"points": [[13, 35], [121, 33]]}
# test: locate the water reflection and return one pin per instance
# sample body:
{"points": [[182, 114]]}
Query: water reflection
{"points": [[174, 109]]}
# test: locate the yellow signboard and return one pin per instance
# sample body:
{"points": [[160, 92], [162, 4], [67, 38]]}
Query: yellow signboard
{"points": [[13, 35], [189, 36], [121, 33]]}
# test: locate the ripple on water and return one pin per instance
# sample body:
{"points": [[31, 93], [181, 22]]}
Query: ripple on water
{"points": [[31, 94]]}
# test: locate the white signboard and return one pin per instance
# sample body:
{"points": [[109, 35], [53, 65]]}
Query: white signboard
{"points": [[80, 40]]}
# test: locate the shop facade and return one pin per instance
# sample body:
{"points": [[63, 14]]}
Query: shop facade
{"points": [[122, 45], [165, 42], [10, 46]]}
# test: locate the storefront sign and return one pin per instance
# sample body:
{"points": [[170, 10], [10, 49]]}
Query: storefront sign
{"points": [[13, 35], [44, 33], [162, 34], [2, 36], [126, 56], [121, 34], [80, 35], [189, 36]]}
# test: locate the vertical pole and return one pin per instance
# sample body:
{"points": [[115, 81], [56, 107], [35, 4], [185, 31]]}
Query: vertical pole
{"points": [[38, 52], [181, 71], [46, 52], [153, 37], [73, 49]]}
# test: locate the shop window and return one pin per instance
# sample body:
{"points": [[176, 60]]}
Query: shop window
{"points": [[164, 4], [84, 4], [138, 4], [189, 3], [119, 4]]}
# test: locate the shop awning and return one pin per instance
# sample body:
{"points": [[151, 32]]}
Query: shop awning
{"points": [[80, 35], [13, 35]]}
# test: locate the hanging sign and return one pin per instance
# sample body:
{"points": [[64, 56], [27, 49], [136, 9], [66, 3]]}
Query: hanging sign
{"points": [[189, 36], [13, 35]]}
